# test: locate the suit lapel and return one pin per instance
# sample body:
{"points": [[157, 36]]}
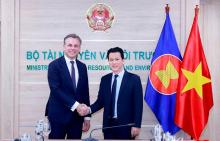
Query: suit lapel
{"points": [[108, 87], [66, 72], [123, 85], [79, 66]]}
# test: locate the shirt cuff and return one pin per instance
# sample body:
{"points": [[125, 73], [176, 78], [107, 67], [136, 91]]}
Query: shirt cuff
{"points": [[90, 111], [75, 105], [87, 118]]}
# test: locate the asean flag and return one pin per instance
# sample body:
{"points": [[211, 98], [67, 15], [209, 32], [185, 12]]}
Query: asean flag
{"points": [[162, 83], [194, 95]]}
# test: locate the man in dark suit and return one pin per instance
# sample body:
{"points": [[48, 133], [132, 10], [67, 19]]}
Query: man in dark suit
{"points": [[68, 82], [121, 96]]}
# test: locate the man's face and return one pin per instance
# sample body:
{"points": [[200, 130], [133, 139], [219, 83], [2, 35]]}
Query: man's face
{"points": [[71, 47], [116, 63]]}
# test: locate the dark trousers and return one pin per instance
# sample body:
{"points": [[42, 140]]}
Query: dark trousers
{"points": [[119, 133], [70, 130]]}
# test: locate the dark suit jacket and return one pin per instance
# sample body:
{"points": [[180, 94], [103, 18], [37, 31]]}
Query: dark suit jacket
{"points": [[130, 100], [62, 95]]}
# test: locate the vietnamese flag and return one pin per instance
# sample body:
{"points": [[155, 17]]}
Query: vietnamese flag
{"points": [[194, 93]]}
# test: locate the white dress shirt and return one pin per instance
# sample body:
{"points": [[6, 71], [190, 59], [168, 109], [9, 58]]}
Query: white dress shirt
{"points": [[69, 66]]}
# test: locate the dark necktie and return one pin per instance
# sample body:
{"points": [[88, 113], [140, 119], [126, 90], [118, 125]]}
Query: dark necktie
{"points": [[73, 75], [114, 94]]}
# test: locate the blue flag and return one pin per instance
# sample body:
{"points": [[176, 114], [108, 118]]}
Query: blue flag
{"points": [[162, 83]]}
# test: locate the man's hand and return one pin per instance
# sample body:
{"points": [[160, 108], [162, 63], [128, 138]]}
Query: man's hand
{"points": [[82, 109], [135, 131], [86, 125]]}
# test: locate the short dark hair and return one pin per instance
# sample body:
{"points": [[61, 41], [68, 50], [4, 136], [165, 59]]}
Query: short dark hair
{"points": [[72, 36], [115, 49]]}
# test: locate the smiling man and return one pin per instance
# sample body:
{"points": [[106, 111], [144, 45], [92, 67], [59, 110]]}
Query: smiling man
{"points": [[121, 96], [68, 82]]}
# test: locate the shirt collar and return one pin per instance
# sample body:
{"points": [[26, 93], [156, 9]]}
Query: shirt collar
{"points": [[68, 59], [120, 74]]}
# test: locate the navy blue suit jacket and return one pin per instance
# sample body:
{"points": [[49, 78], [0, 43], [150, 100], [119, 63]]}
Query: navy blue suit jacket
{"points": [[62, 95], [130, 100]]}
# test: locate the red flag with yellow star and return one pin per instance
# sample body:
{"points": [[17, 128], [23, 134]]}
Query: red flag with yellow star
{"points": [[194, 94]]}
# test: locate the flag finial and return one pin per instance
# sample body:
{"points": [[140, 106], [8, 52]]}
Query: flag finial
{"points": [[197, 10], [167, 8]]}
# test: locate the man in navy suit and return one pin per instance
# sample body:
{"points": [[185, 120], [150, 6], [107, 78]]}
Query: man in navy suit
{"points": [[121, 96], [68, 82]]}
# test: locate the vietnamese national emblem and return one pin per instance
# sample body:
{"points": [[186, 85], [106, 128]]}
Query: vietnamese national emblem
{"points": [[100, 17]]}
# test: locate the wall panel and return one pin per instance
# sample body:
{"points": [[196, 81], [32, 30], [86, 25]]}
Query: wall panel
{"points": [[40, 26]]}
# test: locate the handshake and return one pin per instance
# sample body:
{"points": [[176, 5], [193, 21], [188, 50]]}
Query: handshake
{"points": [[83, 109]]}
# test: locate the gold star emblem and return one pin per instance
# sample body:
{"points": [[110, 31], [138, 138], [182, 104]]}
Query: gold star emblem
{"points": [[195, 80], [165, 75]]}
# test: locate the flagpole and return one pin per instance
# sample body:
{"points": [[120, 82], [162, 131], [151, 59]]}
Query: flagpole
{"points": [[197, 10], [196, 14], [167, 8], [160, 95]]}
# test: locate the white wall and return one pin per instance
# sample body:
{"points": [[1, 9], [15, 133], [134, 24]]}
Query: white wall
{"points": [[29, 25], [210, 25]]}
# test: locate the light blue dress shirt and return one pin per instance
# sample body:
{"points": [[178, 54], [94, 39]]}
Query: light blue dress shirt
{"points": [[118, 85]]}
